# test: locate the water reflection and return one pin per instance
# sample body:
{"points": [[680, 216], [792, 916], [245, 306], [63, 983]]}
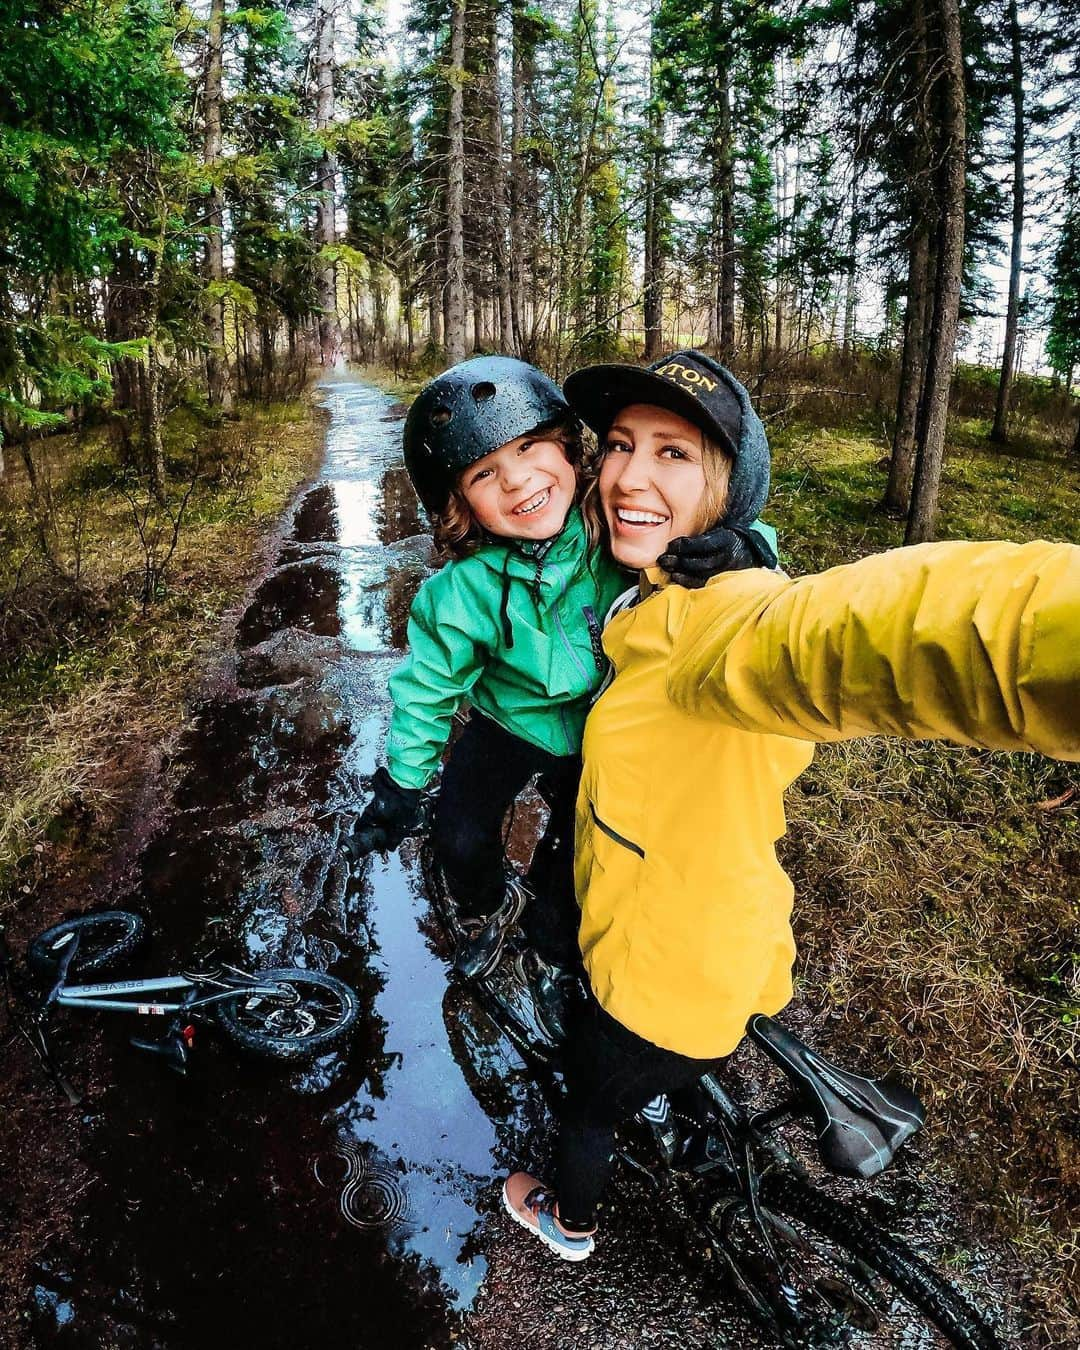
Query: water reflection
{"points": [[420, 1121]]}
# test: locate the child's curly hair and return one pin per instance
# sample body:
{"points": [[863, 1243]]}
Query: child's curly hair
{"points": [[456, 529]]}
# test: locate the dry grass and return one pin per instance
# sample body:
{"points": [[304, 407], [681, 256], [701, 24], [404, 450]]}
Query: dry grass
{"points": [[938, 909], [93, 689], [938, 898]]}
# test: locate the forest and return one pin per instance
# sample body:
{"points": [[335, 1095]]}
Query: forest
{"points": [[868, 209], [199, 202]]}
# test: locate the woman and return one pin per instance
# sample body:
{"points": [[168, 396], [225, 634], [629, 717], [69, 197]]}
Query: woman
{"points": [[717, 696]]}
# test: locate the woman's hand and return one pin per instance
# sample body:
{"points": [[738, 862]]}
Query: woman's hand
{"points": [[692, 561]]}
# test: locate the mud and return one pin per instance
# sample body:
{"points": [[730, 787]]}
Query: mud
{"points": [[353, 1203]]}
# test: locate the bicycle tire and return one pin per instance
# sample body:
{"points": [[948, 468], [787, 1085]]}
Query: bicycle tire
{"points": [[105, 940], [907, 1274], [290, 1033]]}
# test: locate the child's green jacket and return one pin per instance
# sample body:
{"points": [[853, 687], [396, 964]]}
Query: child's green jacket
{"points": [[515, 628]]}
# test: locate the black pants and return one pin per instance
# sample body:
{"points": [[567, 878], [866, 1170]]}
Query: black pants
{"points": [[610, 1075], [487, 769]]}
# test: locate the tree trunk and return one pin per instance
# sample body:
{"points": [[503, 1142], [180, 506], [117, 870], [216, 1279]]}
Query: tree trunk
{"points": [[912, 372], [921, 271], [153, 442], [726, 163], [521, 74], [218, 392], [780, 180], [326, 197], [851, 295], [934, 407], [1000, 430], [501, 262], [378, 302], [653, 279], [455, 195]]}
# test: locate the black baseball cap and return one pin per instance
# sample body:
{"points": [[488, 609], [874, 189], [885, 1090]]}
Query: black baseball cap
{"points": [[686, 382]]}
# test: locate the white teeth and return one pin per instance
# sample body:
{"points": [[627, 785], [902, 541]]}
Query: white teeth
{"points": [[534, 503], [640, 517]]}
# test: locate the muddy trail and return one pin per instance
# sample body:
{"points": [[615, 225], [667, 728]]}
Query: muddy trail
{"points": [[352, 1203]]}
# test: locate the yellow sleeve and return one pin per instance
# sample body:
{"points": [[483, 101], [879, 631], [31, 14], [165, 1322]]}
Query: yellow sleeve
{"points": [[976, 643]]}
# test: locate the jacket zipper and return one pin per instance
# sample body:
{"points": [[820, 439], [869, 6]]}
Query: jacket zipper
{"points": [[596, 637], [614, 834]]}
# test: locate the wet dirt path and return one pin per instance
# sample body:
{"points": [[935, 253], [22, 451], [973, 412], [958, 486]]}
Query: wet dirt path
{"points": [[351, 1204]]}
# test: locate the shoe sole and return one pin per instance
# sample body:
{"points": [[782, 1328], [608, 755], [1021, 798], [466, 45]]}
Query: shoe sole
{"points": [[539, 1232]]}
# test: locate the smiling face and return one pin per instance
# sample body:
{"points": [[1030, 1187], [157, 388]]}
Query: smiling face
{"points": [[523, 490], [654, 485]]}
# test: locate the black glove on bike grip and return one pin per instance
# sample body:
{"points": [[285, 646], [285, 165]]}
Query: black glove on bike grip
{"points": [[692, 561], [393, 812]]}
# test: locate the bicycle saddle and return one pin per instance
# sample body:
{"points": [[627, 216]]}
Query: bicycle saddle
{"points": [[861, 1122]]}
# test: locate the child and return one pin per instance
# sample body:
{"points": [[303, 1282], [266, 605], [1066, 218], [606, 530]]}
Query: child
{"points": [[513, 625]]}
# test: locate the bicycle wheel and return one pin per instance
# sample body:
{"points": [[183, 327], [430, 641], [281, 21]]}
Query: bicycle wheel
{"points": [[848, 1282], [105, 940], [309, 1015]]}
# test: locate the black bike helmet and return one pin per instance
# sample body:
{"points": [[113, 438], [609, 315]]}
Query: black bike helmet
{"points": [[472, 409]]}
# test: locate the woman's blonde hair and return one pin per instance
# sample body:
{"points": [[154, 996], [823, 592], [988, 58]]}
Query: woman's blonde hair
{"points": [[457, 531], [715, 463]]}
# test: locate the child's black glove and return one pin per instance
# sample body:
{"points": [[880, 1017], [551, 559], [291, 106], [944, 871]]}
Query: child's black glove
{"points": [[725, 548], [393, 812]]}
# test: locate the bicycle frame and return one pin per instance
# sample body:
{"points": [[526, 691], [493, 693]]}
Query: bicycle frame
{"points": [[101, 997]]}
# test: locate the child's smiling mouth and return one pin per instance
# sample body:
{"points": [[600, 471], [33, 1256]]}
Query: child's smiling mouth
{"points": [[535, 503]]}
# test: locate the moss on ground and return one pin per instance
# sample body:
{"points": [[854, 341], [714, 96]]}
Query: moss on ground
{"points": [[95, 666]]}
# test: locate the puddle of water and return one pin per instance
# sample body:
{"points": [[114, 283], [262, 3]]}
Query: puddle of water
{"points": [[305, 595], [316, 517], [425, 1119], [339, 1204]]}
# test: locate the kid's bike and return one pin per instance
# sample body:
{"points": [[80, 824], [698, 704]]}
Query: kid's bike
{"points": [[815, 1271], [285, 1014]]}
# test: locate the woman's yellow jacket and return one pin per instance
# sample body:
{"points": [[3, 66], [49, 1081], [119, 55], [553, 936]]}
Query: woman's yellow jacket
{"points": [[685, 926]]}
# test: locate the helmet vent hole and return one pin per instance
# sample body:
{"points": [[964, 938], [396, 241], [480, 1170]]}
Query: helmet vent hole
{"points": [[483, 391], [441, 415]]}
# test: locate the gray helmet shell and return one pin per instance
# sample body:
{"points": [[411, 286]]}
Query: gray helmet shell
{"points": [[471, 410]]}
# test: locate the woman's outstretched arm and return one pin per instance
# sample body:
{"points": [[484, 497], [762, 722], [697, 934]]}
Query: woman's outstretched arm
{"points": [[975, 643]]}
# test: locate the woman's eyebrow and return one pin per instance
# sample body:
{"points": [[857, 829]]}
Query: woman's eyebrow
{"points": [[656, 435]]}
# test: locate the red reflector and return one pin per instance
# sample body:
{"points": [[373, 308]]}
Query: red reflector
{"points": [[188, 1034]]}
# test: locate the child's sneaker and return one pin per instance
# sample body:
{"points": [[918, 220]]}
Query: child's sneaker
{"points": [[481, 943], [531, 1204], [554, 991]]}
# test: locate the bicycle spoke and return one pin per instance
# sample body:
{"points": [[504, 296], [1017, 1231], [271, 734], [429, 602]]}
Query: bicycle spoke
{"points": [[295, 1013]]}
